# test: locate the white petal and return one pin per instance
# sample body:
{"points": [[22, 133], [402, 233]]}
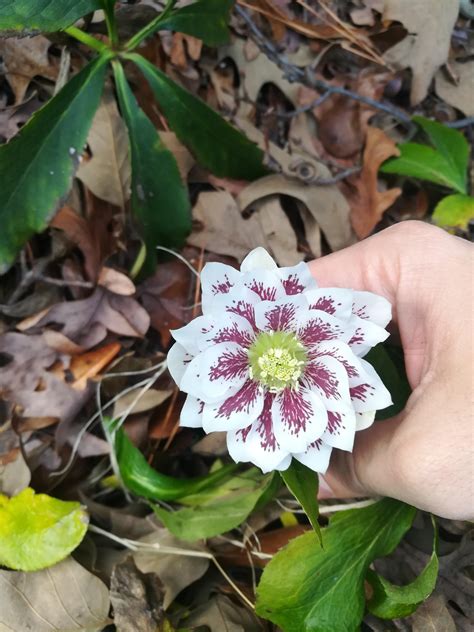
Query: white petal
{"points": [[178, 361], [281, 315], [257, 443], [316, 457], [216, 372], [297, 279], [364, 420], [343, 354], [193, 336], [237, 410], [334, 301], [299, 417], [229, 327], [240, 300], [265, 283], [371, 394], [366, 335], [314, 326], [258, 259], [218, 278], [372, 307], [191, 413], [341, 428], [328, 378]]}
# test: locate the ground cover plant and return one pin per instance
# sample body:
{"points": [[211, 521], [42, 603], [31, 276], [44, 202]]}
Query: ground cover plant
{"points": [[148, 148]]}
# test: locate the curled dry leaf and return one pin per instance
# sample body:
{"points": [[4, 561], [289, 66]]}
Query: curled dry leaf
{"points": [[44, 600], [116, 282], [426, 46], [366, 201], [149, 400], [108, 172], [24, 59]]}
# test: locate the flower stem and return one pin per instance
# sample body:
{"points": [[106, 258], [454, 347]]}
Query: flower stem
{"points": [[86, 39], [150, 28]]}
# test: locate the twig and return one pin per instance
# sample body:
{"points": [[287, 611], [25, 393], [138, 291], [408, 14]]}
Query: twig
{"points": [[465, 122], [306, 76]]}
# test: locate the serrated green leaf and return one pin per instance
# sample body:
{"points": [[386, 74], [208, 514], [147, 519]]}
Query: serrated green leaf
{"points": [[31, 16], [450, 143], [454, 211], [224, 512], [37, 531], [393, 602], [303, 483], [141, 479], [306, 588], [160, 200], [388, 361], [215, 144], [37, 166], [204, 19]]}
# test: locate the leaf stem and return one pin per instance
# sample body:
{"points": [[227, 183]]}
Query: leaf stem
{"points": [[85, 38], [150, 28]]}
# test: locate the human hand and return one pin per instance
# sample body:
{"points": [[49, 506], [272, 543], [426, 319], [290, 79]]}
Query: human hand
{"points": [[424, 455]]}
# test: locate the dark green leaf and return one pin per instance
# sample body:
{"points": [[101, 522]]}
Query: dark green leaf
{"points": [[37, 166], [388, 361], [37, 531], [224, 512], [454, 211], [160, 201], [141, 479], [450, 143], [393, 602], [306, 588], [204, 19], [216, 144], [29, 16], [303, 484], [445, 164]]}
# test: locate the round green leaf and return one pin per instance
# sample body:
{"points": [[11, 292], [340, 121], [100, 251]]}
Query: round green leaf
{"points": [[37, 531], [454, 211]]}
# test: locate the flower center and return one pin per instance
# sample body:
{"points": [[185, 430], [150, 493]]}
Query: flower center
{"points": [[277, 360]]}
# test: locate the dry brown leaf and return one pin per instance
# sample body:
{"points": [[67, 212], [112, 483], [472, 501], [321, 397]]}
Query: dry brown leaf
{"points": [[433, 616], [183, 157], [326, 204], [225, 231], [116, 282], [24, 59], [364, 15], [460, 95], [426, 47], [88, 365], [63, 597], [367, 202], [149, 400], [14, 477], [87, 321], [108, 173]]}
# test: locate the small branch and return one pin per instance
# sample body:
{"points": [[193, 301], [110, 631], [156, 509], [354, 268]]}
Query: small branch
{"points": [[465, 122], [306, 75]]}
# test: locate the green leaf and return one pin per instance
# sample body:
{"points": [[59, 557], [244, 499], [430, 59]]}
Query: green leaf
{"points": [[445, 164], [393, 602], [216, 144], [227, 511], [37, 166], [141, 479], [454, 211], [204, 19], [306, 588], [160, 201], [30, 16], [37, 531], [388, 361], [303, 484]]}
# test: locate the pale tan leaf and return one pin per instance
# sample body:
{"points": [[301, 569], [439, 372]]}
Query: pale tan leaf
{"points": [[460, 95], [108, 173], [14, 476], [64, 597], [183, 157], [149, 400], [116, 282], [433, 616], [426, 46]]}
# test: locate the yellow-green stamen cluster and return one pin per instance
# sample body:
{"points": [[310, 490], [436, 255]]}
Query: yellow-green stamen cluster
{"points": [[277, 360]]}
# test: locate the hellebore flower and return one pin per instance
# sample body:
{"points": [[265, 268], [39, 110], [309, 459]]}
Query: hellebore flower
{"points": [[276, 362]]}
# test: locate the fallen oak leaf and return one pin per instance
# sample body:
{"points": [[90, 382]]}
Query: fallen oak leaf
{"points": [[366, 201]]}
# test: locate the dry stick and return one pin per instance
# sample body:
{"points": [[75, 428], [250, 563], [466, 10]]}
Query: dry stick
{"points": [[306, 76]]}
